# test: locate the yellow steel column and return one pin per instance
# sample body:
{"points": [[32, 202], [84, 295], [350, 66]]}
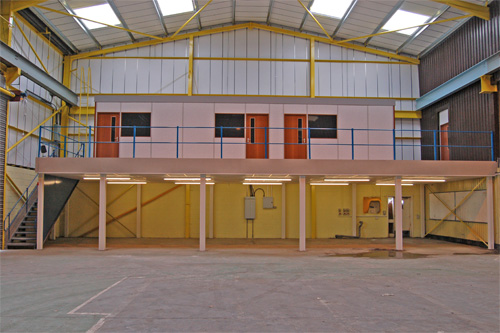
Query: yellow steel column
{"points": [[313, 70], [190, 73], [68, 61], [187, 214], [313, 212]]}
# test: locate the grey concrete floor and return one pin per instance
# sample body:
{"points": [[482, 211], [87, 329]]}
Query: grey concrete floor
{"points": [[454, 288]]}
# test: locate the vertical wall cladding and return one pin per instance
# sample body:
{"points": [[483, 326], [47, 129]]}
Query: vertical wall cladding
{"points": [[3, 131], [243, 77], [26, 115], [475, 41], [467, 111]]}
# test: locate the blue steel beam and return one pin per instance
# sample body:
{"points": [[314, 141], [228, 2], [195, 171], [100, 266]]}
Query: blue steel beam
{"points": [[13, 59], [460, 81]]}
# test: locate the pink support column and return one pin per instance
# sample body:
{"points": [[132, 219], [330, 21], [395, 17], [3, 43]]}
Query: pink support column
{"points": [[398, 198], [302, 213], [203, 191]]}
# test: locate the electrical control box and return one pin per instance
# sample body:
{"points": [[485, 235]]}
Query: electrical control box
{"points": [[250, 208], [268, 202]]}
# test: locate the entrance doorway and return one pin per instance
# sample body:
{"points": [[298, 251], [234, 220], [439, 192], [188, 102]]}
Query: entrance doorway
{"points": [[407, 216], [257, 137], [107, 136], [444, 127], [295, 136]]}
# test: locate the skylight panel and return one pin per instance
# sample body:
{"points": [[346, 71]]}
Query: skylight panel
{"points": [[331, 8], [172, 7], [101, 13], [402, 19]]}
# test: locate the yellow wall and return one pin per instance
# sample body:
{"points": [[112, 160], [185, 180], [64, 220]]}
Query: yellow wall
{"points": [[457, 229], [165, 217]]}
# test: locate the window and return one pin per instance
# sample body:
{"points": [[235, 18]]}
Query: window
{"points": [[235, 122], [172, 7], [101, 13], [333, 8], [326, 126], [402, 19], [141, 120]]}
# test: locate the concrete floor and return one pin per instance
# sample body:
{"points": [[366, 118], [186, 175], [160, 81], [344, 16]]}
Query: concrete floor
{"points": [[444, 288]]}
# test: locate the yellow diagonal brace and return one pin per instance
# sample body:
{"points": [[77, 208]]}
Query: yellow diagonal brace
{"points": [[33, 130], [315, 20], [79, 122], [15, 187], [471, 8], [31, 46], [396, 30], [453, 212], [190, 19], [102, 23]]}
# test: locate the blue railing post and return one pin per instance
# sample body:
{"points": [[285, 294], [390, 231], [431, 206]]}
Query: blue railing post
{"points": [[309, 140], [90, 139], [492, 146], [84, 145], [133, 151], [394, 143], [221, 136], [352, 142], [39, 140], [177, 144], [435, 147], [265, 142], [65, 146]]}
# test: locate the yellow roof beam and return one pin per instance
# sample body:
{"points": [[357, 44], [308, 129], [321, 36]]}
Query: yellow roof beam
{"points": [[191, 18], [361, 48], [315, 20], [10, 6], [400, 114], [102, 23], [415, 26], [471, 8]]}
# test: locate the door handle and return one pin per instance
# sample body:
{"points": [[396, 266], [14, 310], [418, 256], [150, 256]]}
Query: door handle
{"points": [[248, 140]]}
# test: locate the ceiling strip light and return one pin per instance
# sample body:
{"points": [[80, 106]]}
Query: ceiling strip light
{"points": [[347, 180], [249, 183], [424, 180], [338, 184], [185, 179], [117, 178], [192, 183], [384, 184], [127, 183], [91, 178], [268, 179]]}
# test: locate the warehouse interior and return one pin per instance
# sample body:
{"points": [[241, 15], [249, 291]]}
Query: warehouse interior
{"points": [[250, 120]]}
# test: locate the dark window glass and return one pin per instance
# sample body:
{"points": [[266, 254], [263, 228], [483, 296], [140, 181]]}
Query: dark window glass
{"points": [[323, 126], [113, 129], [234, 123], [141, 120], [299, 125]]}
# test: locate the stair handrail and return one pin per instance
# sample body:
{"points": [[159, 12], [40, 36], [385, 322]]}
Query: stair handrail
{"points": [[7, 221]]}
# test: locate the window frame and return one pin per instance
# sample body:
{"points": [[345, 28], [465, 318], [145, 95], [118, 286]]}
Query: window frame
{"points": [[217, 128], [122, 129], [312, 129]]}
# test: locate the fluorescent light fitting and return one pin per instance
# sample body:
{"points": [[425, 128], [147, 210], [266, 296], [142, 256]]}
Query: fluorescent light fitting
{"points": [[91, 178], [386, 184], [173, 7], [101, 13], [338, 184], [185, 179], [424, 180], [117, 178], [402, 19], [331, 8], [268, 180], [192, 183], [258, 183], [127, 183], [347, 180]]}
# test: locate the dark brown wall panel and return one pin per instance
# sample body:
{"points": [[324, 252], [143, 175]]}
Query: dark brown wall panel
{"points": [[467, 111], [475, 41]]}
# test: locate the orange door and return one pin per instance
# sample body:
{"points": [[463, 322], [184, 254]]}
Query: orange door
{"points": [[107, 136], [445, 151], [257, 137], [295, 136]]}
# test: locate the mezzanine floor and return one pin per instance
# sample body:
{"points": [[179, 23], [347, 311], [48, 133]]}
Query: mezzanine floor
{"points": [[243, 286]]}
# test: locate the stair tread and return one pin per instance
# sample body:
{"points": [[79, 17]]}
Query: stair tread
{"points": [[23, 238]]}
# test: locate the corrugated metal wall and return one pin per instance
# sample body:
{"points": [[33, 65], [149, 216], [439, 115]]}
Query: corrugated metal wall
{"points": [[229, 77], [3, 131], [468, 110], [26, 115], [476, 40]]}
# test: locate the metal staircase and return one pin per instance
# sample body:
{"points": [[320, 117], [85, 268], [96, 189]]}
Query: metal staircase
{"points": [[21, 231]]}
